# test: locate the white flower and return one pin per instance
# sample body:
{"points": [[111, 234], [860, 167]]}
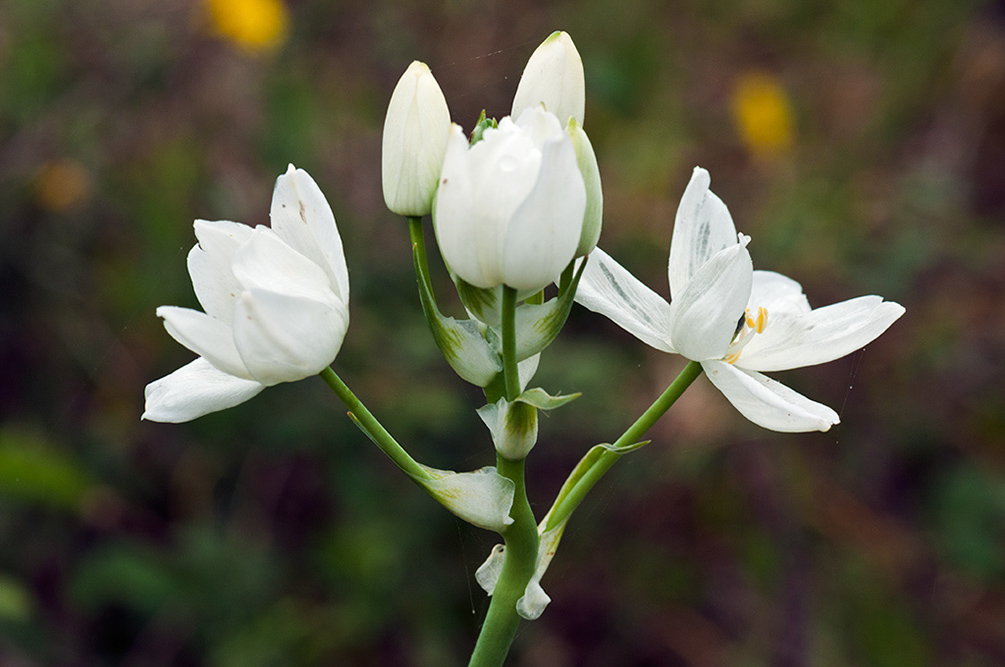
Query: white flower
{"points": [[510, 208], [736, 321], [415, 139], [553, 77], [276, 305]]}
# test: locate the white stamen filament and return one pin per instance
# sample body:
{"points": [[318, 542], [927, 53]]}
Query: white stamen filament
{"points": [[752, 324]]}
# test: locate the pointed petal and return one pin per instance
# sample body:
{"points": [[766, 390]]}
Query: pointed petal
{"points": [[453, 213], [701, 228], [301, 216], [594, 217], [825, 334], [206, 336], [482, 498], [543, 234], [609, 289], [194, 390], [209, 265], [703, 316], [767, 402], [284, 338]]}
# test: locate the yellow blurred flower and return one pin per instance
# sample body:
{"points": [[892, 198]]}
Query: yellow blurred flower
{"points": [[61, 185], [762, 113], [255, 25]]}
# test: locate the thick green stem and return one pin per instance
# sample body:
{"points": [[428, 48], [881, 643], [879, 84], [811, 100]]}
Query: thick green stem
{"points": [[570, 501], [521, 537], [520, 561], [373, 428], [509, 343]]}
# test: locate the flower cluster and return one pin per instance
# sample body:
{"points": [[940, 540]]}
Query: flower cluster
{"points": [[516, 207]]}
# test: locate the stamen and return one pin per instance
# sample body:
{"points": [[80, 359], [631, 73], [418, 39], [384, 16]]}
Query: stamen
{"points": [[757, 323], [745, 330]]}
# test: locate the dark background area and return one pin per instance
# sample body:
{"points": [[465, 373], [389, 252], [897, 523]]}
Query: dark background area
{"points": [[274, 533]]}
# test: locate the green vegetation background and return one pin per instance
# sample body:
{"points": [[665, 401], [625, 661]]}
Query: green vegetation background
{"points": [[275, 534]]}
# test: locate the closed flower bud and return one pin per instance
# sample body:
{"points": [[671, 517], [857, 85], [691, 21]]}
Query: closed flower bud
{"points": [[415, 138], [553, 77], [510, 208]]}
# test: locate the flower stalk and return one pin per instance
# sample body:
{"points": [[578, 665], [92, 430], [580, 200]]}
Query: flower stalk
{"points": [[521, 538], [373, 428]]}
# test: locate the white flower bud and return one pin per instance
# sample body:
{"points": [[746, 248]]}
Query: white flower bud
{"points": [[553, 77], [415, 139]]}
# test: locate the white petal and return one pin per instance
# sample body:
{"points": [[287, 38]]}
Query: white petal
{"points": [[542, 236], [266, 262], [701, 228], [593, 219], [209, 264], [553, 77], [505, 167], [609, 289], [206, 336], [284, 338], [194, 390], [777, 294], [825, 334], [482, 498], [453, 216], [302, 217], [768, 403], [703, 316]]}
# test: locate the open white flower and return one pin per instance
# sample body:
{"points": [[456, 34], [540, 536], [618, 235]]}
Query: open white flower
{"points": [[276, 305], [736, 321], [510, 208]]}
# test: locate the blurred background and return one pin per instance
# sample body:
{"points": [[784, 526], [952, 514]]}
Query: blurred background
{"points": [[860, 144]]}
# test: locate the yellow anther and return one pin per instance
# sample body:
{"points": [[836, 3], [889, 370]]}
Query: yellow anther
{"points": [[733, 357], [759, 322]]}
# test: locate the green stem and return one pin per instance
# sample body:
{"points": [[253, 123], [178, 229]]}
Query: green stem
{"points": [[509, 343], [570, 501], [421, 263], [373, 428], [519, 564]]}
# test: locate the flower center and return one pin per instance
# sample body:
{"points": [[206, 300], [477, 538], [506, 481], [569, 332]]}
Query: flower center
{"points": [[749, 324]]}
